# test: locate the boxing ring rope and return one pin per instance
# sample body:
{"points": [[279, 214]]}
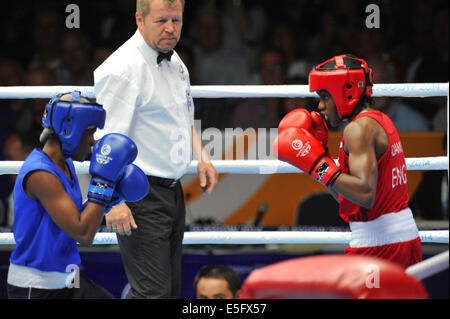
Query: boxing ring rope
{"points": [[422, 90], [247, 166], [252, 166], [238, 91], [429, 267], [421, 270], [258, 237]]}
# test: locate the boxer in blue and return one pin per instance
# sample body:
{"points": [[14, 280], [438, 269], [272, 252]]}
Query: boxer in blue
{"points": [[49, 216]]}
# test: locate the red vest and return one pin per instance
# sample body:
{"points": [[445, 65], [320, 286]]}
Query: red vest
{"points": [[392, 192]]}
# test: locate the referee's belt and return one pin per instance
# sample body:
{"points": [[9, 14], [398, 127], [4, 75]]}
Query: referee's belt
{"points": [[165, 182]]}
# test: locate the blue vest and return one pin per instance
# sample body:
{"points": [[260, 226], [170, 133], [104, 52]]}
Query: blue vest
{"points": [[40, 243]]}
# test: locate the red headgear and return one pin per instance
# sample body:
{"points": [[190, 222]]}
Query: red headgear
{"points": [[346, 78]]}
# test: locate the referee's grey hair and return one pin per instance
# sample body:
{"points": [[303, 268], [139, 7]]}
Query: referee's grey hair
{"points": [[143, 6]]}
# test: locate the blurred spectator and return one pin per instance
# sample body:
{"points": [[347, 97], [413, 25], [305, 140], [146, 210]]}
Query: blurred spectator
{"points": [[431, 63], [46, 33], [349, 15], [210, 113], [441, 36], [439, 122], [298, 72], [348, 12], [290, 104], [272, 68], [325, 44], [216, 64], [16, 148], [431, 66], [111, 21], [373, 45], [405, 118], [263, 112], [11, 74], [75, 67], [100, 54], [32, 32], [297, 14], [284, 37], [31, 117], [245, 24], [217, 282], [413, 37], [430, 200]]}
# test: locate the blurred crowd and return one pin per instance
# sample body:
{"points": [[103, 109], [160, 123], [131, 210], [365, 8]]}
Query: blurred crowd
{"points": [[227, 42]]}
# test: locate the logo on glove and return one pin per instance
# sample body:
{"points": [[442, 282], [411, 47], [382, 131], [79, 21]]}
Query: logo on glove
{"points": [[103, 158], [303, 150], [106, 149], [321, 171], [297, 144]]}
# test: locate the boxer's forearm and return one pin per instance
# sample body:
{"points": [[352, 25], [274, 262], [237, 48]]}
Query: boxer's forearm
{"points": [[355, 189]]}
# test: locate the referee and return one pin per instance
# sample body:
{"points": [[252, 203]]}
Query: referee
{"points": [[145, 88]]}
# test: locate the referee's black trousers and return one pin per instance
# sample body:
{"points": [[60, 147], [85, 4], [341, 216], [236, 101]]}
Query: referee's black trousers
{"points": [[152, 254]]}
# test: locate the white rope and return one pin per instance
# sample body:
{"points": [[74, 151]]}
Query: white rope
{"points": [[429, 267], [252, 166], [257, 237], [251, 91], [241, 91]]}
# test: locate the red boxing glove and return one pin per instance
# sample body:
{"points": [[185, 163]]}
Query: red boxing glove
{"points": [[326, 171], [312, 122], [319, 128], [300, 148], [299, 118]]}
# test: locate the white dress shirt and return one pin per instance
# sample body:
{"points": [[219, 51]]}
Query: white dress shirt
{"points": [[150, 103]]}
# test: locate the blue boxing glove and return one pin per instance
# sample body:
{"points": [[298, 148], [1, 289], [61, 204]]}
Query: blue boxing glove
{"points": [[132, 187], [110, 156]]}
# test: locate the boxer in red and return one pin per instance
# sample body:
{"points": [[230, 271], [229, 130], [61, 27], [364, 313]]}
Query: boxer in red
{"points": [[370, 180]]}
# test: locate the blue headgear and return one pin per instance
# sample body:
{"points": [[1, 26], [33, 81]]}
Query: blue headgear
{"points": [[69, 119]]}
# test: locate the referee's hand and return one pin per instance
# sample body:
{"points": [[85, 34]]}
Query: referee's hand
{"points": [[208, 176], [120, 220]]}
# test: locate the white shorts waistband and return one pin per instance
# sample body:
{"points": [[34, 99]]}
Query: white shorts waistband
{"points": [[25, 277], [387, 229]]}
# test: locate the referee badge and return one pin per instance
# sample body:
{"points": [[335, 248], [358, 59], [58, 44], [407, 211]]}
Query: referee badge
{"points": [[182, 75], [189, 99]]}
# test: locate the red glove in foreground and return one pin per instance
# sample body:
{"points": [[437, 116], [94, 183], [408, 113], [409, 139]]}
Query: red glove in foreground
{"points": [[300, 148]]}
